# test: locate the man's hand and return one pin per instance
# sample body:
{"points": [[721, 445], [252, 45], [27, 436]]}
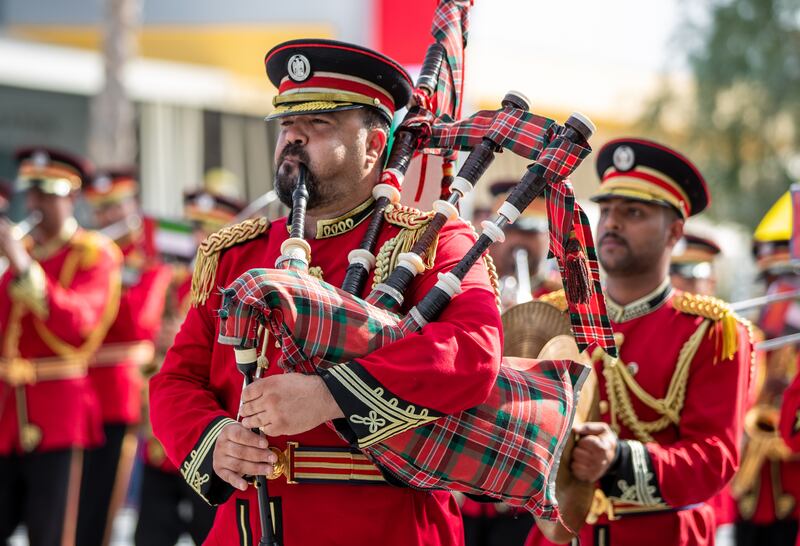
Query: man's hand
{"points": [[289, 403], [239, 451], [594, 452], [18, 259]]}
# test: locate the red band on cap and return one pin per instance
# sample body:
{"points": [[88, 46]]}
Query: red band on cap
{"points": [[337, 84], [663, 184]]}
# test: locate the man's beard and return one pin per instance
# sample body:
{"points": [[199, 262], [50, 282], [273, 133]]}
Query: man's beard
{"points": [[286, 178]]}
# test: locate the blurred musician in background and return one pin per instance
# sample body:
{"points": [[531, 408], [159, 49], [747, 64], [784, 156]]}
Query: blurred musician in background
{"points": [[115, 371], [168, 506], [790, 421], [692, 267], [57, 300], [767, 486]]}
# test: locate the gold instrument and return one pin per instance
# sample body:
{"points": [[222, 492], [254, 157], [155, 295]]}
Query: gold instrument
{"points": [[537, 329], [763, 443]]}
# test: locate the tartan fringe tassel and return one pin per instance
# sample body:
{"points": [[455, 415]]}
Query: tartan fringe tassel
{"points": [[578, 285]]}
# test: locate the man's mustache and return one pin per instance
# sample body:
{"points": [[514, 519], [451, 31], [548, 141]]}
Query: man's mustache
{"points": [[615, 237], [296, 150]]}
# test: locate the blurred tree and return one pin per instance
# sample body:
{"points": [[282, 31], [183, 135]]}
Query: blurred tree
{"points": [[741, 122], [112, 133]]}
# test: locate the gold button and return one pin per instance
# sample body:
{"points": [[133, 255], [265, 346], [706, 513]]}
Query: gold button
{"points": [[603, 407]]}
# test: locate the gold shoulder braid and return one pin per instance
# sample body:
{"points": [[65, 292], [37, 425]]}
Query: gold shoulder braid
{"points": [[719, 312], [412, 223], [556, 298], [205, 267], [620, 383]]}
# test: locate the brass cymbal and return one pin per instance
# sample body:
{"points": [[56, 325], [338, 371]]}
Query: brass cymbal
{"points": [[527, 327]]}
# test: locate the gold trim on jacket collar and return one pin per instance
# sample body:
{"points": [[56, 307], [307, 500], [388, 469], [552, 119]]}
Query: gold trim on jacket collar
{"points": [[641, 307], [348, 221]]}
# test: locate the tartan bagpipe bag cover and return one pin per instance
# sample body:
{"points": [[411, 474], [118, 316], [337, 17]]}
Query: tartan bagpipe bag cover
{"points": [[507, 448]]}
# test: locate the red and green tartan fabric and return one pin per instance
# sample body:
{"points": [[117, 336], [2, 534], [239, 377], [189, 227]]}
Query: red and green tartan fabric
{"points": [[541, 139], [507, 448], [568, 222], [450, 27], [313, 320]]}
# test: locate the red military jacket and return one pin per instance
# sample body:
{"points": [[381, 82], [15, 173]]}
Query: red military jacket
{"points": [[790, 420], [790, 416], [448, 366], [115, 370], [52, 319], [689, 358]]}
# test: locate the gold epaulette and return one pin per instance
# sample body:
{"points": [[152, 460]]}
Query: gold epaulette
{"points": [[205, 268], [556, 298], [718, 312], [411, 222], [90, 245]]}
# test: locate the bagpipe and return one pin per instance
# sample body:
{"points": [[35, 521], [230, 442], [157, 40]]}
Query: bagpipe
{"points": [[508, 448]]}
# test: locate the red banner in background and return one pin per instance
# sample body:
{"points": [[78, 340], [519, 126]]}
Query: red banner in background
{"points": [[794, 241], [403, 29]]}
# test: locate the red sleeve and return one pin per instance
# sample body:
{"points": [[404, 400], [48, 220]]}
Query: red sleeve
{"points": [[142, 304], [185, 413], [88, 303], [790, 415], [448, 366], [707, 454]]}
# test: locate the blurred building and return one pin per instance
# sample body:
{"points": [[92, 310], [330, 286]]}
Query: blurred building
{"points": [[198, 83], [201, 93]]}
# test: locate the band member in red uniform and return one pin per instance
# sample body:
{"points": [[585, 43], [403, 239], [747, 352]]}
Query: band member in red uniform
{"points": [[768, 494], [790, 420], [790, 416], [671, 405], [115, 369], [334, 107], [161, 520], [692, 265], [57, 301]]}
